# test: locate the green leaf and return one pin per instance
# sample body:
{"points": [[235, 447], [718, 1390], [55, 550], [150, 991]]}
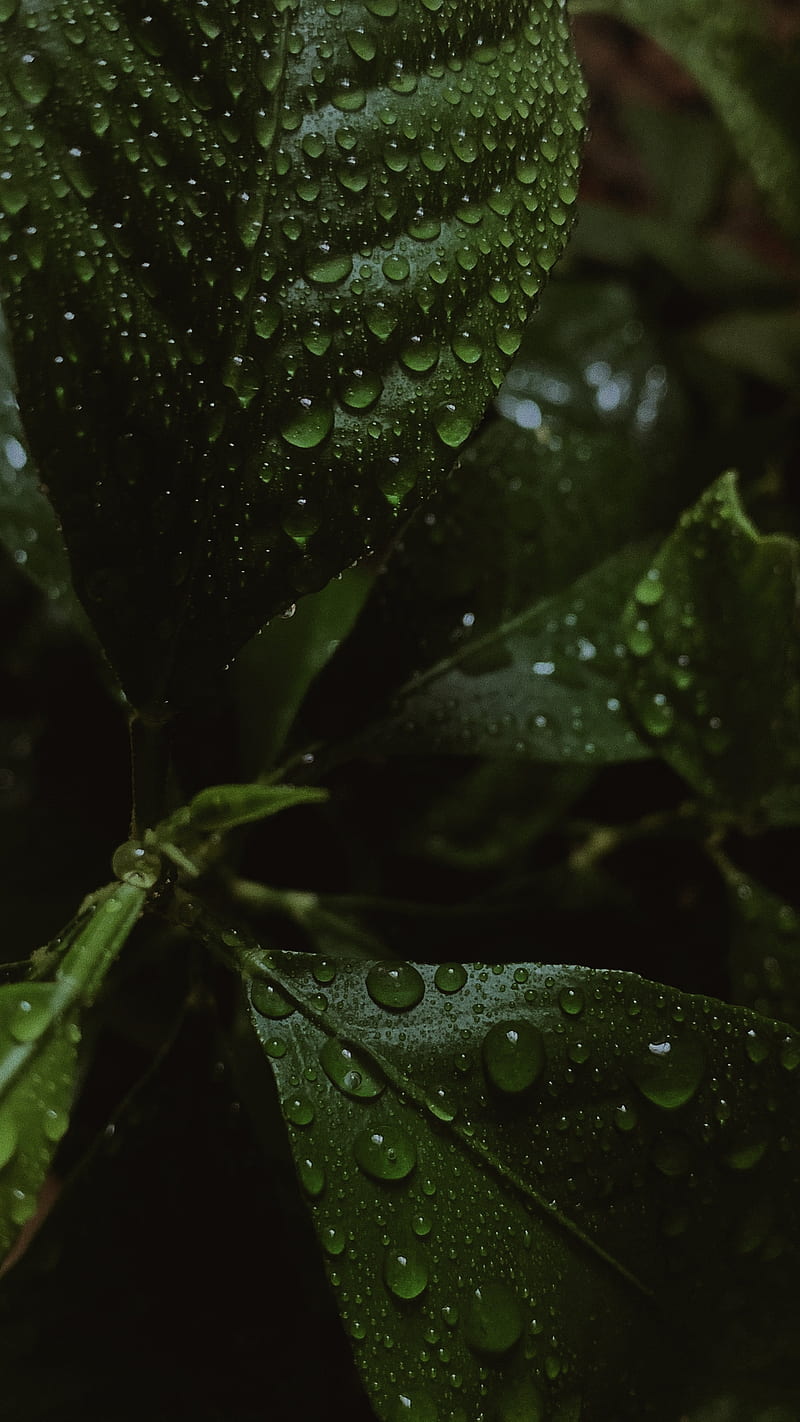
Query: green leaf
{"points": [[504, 1163], [28, 526], [39, 1033], [714, 671], [765, 946], [266, 267], [593, 450], [750, 79]]}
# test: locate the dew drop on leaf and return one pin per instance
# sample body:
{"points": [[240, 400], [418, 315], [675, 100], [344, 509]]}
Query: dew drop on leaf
{"points": [[414, 1407], [312, 1177], [270, 1001], [668, 1072], [570, 1000], [298, 1110], [134, 864], [520, 1401], [405, 1270], [493, 1318], [453, 425], [386, 1153], [344, 1068], [513, 1056], [450, 977], [397, 986]]}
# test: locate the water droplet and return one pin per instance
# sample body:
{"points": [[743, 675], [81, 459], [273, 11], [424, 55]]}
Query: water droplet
{"points": [[450, 977], [453, 425], [669, 1071], [299, 1110], [323, 970], [386, 1153], [333, 1240], [650, 589], [134, 864], [310, 425], [346, 1070], [270, 1002], [671, 1155], [625, 1118], [395, 985], [312, 1177], [639, 640], [414, 1407], [360, 389], [493, 1319], [54, 1124], [442, 1105], [658, 716], [395, 267], [405, 1270], [746, 1152], [513, 1055], [326, 267], [32, 77], [520, 1401], [570, 1000]]}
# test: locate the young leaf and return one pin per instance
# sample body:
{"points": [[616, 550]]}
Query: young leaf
{"points": [[505, 1163], [765, 946], [713, 674], [266, 267], [39, 1033], [750, 80]]}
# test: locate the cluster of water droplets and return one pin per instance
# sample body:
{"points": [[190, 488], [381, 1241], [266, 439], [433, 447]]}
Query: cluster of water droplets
{"points": [[594, 1092], [301, 248]]}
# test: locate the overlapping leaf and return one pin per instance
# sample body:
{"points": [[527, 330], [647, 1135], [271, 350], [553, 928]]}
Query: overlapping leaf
{"points": [[713, 674], [500, 606], [265, 266], [39, 1033], [538, 1189]]}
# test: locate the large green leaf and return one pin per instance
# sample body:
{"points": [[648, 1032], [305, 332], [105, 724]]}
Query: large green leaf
{"points": [[499, 605], [765, 946], [39, 1033], [538, 1189], [714, 668], [265, 266], [750, 79]]}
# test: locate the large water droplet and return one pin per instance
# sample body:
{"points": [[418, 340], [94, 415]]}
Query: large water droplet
{"points": [[386, 1152], [133, 863], [299, 1110], [346, 1070], [405, 1269], [520, 1401], [270, 1002], [452, 424], [326, 267], [395, 985], [513, 1055], [312, 1177], [493, 1318], [450, 977], [669, 1071], [310, 424]]}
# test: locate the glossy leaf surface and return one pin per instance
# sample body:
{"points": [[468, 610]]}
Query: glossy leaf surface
{"points": [[39, 1033], [714, 667], [765, 946], [501, 602], [750, 80], [277, 260], [505, 1163]]}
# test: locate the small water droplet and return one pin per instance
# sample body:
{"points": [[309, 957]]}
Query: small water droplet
{"points": [[513, 1055], [346, 1070], [397, 986], [270, 1002], [385, 1152], [133, 863], [669, 1071], [450, 977], [312, 1177], [405, 1270], [570, 1000]]}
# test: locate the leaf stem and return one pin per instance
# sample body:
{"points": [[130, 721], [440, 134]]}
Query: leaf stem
{"points": [[150, 758]]}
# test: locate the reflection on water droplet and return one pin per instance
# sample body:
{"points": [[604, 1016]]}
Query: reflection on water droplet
{"points": [[453, 425], [309, 425], [346, 1070], [312, 1177], [669, 1071], [386, 1152], [395, 985], [132, 863], [333, 1240], [493, 1318], [513, 1055], [270, 1002], [450, 977], [405, 1269], [298, 1110], [414, 1407], [570, 1000]]}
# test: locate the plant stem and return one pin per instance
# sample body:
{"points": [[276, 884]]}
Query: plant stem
{"points": [[149, 769]]}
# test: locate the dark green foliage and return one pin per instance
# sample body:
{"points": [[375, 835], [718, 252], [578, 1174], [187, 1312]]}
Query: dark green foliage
{"points": [[452, 949]]}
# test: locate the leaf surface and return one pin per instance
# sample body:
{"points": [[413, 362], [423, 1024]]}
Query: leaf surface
{"points": [[39, 1034], [505, 1163], [765, 946], [714, 671], [265, 268]]}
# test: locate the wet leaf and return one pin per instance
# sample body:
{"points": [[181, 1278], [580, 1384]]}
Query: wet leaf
{"points": [[713, 674], [503, 1163], [749, 78], [39, 1034], [765, 946], [510, 567], [277, 262]]}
